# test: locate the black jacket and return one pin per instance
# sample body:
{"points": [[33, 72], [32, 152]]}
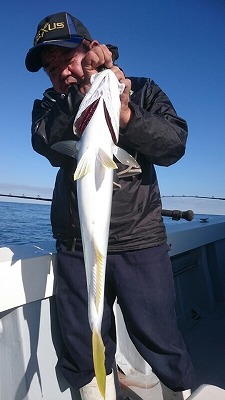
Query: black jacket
{"points": [[155, 135]]}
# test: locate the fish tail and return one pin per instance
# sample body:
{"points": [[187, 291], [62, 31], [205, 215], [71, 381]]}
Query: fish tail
{"points": [[99, 361]]}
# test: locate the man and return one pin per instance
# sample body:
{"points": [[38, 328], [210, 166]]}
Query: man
{"points": [[139, 272]]}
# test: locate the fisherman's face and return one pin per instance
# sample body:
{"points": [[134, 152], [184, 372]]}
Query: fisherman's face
{"points": [[63, 66]]}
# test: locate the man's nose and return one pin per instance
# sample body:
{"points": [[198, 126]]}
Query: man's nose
{"points": [[64, 71]]}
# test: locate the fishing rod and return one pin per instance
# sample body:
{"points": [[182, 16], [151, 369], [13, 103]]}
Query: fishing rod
{"points": [[25, 197], [171, 196], [176, 215], [197, 197]]}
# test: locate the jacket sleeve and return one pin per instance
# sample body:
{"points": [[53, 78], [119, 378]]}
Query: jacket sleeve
{"points": [[52, 121], [154, 130]]}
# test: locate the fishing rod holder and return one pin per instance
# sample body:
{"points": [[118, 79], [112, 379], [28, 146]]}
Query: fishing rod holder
{"points": [[176, 215]]}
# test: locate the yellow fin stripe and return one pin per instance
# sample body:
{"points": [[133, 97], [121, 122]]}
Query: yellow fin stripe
{"points": [[99, 277], [99, 361]]}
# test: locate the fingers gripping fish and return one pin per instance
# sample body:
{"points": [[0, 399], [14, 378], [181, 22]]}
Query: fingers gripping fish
{"points": [[97, 125]]}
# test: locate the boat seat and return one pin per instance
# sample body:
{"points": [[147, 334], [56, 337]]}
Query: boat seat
{"points": [[208, 392]]}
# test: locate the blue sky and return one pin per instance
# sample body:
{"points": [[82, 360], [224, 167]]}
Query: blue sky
{"points": [[178, 43]]}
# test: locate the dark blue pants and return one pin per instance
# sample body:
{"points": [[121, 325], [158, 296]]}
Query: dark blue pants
{"points": [[142, 281]]}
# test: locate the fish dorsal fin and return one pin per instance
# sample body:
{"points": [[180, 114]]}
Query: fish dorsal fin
{"points": [[68, 147], [85, 165], [106, 160], [124, 157]]}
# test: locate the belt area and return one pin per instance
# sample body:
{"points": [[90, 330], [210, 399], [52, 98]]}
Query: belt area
{"points": [[72, 245]]}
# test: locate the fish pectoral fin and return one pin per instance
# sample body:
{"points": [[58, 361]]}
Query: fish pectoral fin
{"points": [[68, 147], [124, 157], [84, 166], [99, 361], [106, 160]]}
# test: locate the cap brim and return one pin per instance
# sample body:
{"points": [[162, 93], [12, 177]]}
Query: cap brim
{"points": [[33, 60]]}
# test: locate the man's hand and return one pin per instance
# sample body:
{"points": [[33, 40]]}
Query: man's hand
{"points": [[125, 113], [99, 56]]}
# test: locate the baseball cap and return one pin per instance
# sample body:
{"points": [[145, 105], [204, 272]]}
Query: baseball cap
{"points": [[61, 29]]}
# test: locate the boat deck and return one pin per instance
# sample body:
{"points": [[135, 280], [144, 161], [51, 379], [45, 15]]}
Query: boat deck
{"points": [[205, 340], [206, 344], [29, 326]]}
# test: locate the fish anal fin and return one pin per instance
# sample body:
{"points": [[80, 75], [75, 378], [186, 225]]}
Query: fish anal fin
{"points": [[106, 160], [99, 361], [99, 262]]}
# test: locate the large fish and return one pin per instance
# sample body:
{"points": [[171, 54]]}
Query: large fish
{"points": [[97, 125]]}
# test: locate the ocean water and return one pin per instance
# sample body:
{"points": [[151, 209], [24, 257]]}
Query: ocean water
{"points": [[27, 223], [23, 223]]}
